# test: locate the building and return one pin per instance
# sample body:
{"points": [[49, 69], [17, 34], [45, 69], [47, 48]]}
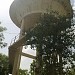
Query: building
{"points": [[25, 14]]}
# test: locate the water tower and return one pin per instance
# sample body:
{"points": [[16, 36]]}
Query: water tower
{"points": [[25, 14]]}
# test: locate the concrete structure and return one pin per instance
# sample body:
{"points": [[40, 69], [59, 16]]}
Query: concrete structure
{"points": [[25, 14]]}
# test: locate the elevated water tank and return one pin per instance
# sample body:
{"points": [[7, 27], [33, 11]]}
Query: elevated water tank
{"points": [[30, 10]]}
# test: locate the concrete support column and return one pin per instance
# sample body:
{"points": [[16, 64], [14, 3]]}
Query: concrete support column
{"points": [[18, 53]]}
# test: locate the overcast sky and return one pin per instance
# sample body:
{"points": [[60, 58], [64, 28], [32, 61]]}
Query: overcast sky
{"points": [[12, 30]]}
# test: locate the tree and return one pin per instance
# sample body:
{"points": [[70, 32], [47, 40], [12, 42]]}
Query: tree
{"points": [[2, 43], [4, 65], [32, 68], [53, 38], [3, 58], [23, 72]]}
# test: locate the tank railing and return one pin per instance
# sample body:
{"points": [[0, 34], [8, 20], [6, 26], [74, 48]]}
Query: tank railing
{"points": [[14, 39]]}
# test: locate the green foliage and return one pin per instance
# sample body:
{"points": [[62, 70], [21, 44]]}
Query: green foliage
{"points": [[53, 38], [2, 29], [2, 43], [4, 64], [23, 72], [32, 68]]}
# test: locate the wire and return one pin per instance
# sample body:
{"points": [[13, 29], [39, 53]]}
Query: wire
{"points": [[10, 33]]}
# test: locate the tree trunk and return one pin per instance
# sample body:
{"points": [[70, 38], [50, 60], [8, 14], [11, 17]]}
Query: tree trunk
{"points": [[38, 70]]}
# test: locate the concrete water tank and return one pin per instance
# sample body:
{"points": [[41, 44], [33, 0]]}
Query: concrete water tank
{"points": [[30, 10]]}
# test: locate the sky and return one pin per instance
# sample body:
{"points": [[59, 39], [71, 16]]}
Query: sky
{"points": [[12, 31]]}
